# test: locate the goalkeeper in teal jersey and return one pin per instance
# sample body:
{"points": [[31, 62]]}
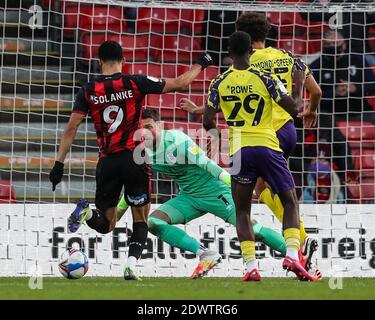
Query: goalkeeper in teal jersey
{"points": [[204, 188]]}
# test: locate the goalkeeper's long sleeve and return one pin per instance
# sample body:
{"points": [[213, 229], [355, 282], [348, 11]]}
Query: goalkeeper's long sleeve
{"points": [[197, 156]]}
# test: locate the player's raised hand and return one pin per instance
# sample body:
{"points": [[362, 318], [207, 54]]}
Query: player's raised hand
{"points": [[205, 60], [56, 174], [309, 118], [189, 106]]}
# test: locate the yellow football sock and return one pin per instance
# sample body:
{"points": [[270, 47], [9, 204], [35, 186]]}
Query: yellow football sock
{"points": [[275, 206], [302, 232], [291, 236], [274, 203], [248, 251]]}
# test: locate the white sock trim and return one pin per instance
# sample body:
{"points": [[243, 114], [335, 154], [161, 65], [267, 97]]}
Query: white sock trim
{"points": [[131, 262], [292, 252]]}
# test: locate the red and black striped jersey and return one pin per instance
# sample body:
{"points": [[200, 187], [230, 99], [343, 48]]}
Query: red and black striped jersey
{"points": [[115, 104]]}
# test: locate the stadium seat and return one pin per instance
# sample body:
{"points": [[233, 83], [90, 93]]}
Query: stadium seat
{"points": [[286, 22], [164, 20], [296, 45], [363, 158], [364, 192], [135, 47], [7, 192], [147, 69], [202, 82], [93, 18], [182, 48], [165, 100], [158, 20], [357, 130], [173, 114], [371, 102], [300, 45]]}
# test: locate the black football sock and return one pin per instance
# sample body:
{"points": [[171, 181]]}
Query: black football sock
{"points": [[138, 239]]}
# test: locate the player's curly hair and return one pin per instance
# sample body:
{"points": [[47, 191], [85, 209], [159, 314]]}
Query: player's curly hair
{"points": [[151, 113], [239, 43], [255, 24]]}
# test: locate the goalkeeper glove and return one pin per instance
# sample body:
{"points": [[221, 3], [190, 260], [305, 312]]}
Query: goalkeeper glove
{"points": [[205, 60], [225, 177], [56, 174]]}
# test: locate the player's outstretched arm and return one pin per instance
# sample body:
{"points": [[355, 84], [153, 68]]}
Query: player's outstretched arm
{"points": [[309, 115], [67, 138], [189, 106], [209, 118], [197, 156], [184, 80]]}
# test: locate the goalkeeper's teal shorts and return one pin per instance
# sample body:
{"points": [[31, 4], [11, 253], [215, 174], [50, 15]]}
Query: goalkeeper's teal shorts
{"points": [[185, 207]]}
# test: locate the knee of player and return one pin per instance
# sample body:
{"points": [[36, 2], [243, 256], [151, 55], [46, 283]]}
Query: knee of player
{"points": [[112, 225], [290, 202], [155, 224]]}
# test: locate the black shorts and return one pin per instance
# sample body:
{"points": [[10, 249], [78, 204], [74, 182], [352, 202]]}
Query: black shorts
{"points": [[119, 170]]}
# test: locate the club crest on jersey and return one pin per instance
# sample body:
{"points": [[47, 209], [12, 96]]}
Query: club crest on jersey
{"points": [[137, 200], [281, 86], [171, 158]]}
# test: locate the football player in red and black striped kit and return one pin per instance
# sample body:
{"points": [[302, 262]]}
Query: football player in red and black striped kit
{"points": [[114, 101]]}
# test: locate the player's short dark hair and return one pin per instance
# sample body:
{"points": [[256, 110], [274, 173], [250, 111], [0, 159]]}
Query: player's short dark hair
{"points": [[151, 113], [255, 24], [110, 51], [239, 43]]}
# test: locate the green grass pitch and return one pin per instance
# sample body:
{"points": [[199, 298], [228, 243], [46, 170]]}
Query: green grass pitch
{"points": [[182, 288]]}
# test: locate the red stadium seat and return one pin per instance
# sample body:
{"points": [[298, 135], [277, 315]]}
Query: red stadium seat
{"points": [[286, 22], [166, 100], [371, 102], [357, 130], [202, 82], [193, 19], [294, 24], [364, 191], [314, 44], [146, 69], [93, 18], [295, 45], [135, 48], [158, 20], [164, 20], [182, 48], [300, 45], [7, 192], [173, 114], [363, 159], [108, 18]]}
